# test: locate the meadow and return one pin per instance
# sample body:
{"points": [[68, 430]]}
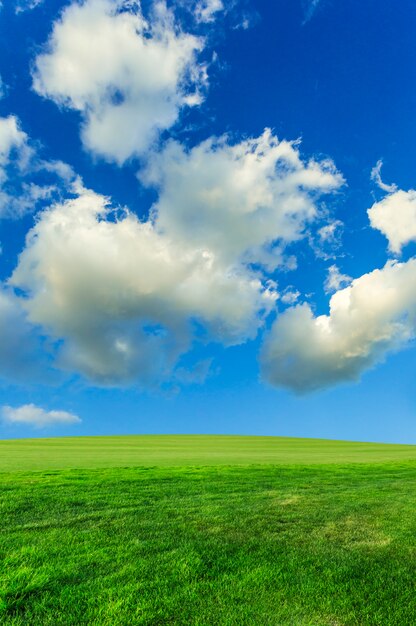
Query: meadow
{"points": [[201, 531]]}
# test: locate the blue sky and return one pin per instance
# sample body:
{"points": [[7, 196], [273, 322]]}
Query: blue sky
{"points": [[207, 218]]}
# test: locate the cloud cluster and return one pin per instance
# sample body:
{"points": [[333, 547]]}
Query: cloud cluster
{"points": [[373, 316], [127, 298], [32, 415], [122, 300], [129, 77]]}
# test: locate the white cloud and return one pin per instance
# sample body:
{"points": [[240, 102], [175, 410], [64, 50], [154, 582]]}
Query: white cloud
{"points": [[395, 217], [336, 280], [310, 7], [125, 299], [31, 415], [373, 316], [290, 296], [326, 242], [376, 177], [27, 5], [12, 139], [20, 190], [206, 10], [238, 199], [330, 234], [123, 296], [128, 77], [15, 156]]}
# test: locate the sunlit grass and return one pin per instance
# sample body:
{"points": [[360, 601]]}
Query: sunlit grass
{"points": [[281, 545], [179, 450]]}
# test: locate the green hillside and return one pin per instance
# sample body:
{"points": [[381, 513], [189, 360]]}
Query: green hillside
{"points": [[185, 450]]}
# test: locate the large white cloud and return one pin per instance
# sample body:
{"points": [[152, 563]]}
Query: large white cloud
{"points": [[127, 297], [128, 77], [123, 296], [395, 217], [374, 315], [32, 415], [238, 199]]}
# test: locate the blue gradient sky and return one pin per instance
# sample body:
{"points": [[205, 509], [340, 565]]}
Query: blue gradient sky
{"points": [[340, 76]]}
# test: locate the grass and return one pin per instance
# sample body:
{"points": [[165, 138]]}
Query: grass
{"points": [[296, 541], [185, 450]]}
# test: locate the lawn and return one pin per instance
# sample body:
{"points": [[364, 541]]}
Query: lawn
{"points": [[185, 450], [206, 531]]}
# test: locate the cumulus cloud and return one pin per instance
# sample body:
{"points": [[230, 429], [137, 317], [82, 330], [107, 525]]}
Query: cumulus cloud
{"points": [[128, 77], [32, 415], [238, 199], [373, 316], [395, 217], [124, 297]]}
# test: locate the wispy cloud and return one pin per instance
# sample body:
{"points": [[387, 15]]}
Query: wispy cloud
{"points": [[376, 177], [310, 7]]}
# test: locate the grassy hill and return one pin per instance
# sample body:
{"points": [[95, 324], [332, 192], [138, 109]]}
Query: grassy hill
{"points": [[201, 531], [185, 450]]}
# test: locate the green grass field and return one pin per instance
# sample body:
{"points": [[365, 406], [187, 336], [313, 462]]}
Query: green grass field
{"points": [[201, 531]]}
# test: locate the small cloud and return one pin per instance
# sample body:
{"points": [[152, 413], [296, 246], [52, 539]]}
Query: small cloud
{"points": [[329, 232], [3, 87], [35, 416], [205, 11], [197, 375], [376, 177], [310, 7], [327, 242], [395, 217], [336, 280], [26, 5], [290, 295]]}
